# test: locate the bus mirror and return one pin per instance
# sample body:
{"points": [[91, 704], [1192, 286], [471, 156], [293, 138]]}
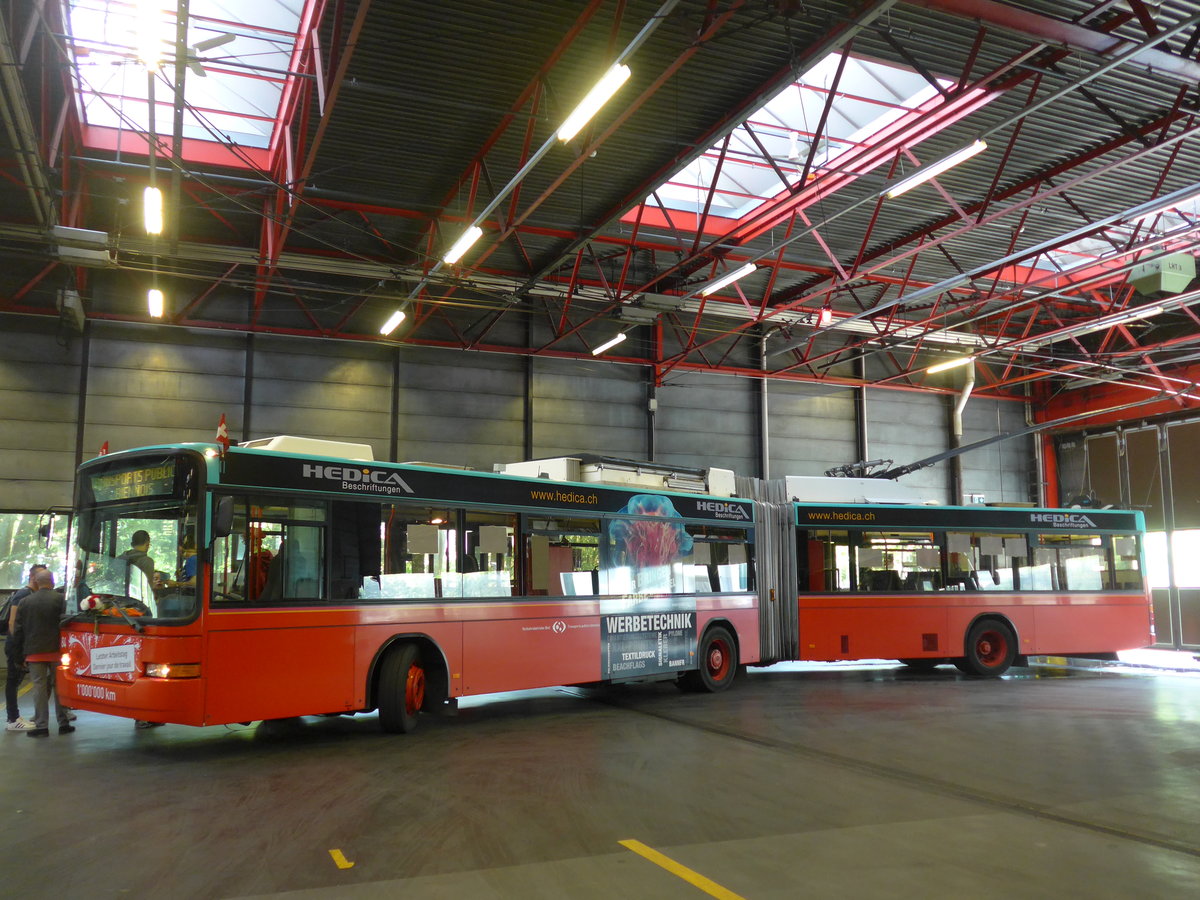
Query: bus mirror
{"points": [[223, 517]]}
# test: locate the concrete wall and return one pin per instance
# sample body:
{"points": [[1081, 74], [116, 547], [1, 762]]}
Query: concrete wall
{"points": [[154, 384]]}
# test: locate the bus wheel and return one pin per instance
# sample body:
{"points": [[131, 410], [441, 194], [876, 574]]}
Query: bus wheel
{"points": [[401, 690], [991, 648], [718, 658]]}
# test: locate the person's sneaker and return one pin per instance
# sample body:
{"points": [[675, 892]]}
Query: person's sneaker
{"points": [[65, 729], [19, 725], [38, 732]]}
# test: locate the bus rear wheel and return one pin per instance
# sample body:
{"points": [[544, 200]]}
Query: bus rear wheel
{"points": [[718, 663], [991, 647], [401, 690]]}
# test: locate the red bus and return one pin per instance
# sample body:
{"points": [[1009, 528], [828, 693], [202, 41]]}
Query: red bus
{"points": [[279, 584], [300, 578], [982, 587]]}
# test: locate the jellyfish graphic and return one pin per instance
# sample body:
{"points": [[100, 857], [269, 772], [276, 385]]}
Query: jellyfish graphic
{"points": [[649, 543]]}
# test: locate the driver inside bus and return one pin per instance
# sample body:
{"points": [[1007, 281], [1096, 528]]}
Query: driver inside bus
{"points": [[138, 553]]}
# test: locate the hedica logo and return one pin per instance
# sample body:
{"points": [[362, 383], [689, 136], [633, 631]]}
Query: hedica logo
{"points": [[1062, 520], [355, 478]]}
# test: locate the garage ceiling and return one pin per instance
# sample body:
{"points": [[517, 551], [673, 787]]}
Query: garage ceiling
{"points": [[318, 158]]}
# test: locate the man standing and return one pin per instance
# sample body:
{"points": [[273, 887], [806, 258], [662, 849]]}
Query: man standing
{"points": [[37, 638], [16, 670]]}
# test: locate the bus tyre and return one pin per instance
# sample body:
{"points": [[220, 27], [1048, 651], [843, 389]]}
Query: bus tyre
{"points": [[991, 647], [401, 689], [718, 662]]}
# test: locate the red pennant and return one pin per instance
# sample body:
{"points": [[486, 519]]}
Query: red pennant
{"points": [[104, 449], [222, 434]]}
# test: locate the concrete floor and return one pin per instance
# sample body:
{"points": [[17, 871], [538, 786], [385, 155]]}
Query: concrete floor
{"points": [[846, 782]]}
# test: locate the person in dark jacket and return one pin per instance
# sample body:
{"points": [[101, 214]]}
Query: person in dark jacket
{"points": [[37, 639], [16, 670]]}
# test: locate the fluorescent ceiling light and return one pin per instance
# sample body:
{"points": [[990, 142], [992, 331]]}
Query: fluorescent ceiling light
{"points": [[462, 245], [935, 169], [949, 364], [596, 98], [154, 301], [392, 323], [609, 344], [728, 278], [152, 207]]}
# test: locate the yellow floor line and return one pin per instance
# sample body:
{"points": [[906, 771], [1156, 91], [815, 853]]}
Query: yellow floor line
{"points": [[693, 878], [340, 860]]}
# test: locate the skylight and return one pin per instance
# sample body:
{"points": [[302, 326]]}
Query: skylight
{"points": [[1096, 248], [870, 96], [237, 67]]}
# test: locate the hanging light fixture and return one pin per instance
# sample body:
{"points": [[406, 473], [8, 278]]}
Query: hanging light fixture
{"points": [[392, 323], [933, 170], [949, 364], [609, 344], [596, 98], [152, 210], [155, 302], [727, 279], [462, 245]]}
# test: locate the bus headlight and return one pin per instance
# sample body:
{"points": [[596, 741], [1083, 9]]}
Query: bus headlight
{"points": [[65, 660], [172, 670]]}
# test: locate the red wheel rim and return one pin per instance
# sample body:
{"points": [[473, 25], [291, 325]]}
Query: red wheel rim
{"points": [[414, 689], [718, 660], [991, 649]]}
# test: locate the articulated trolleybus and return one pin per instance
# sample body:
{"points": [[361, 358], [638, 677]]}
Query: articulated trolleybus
{"points": [[292, 577]]}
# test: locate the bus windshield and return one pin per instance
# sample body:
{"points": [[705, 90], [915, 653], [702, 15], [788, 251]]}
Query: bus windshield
{"points": [[135, 541]]}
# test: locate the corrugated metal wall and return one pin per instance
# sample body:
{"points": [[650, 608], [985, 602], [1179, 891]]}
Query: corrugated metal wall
{"points": [[1003, 471], [461, 408], [153, 385], [39, 390], [321, 390], [708, 420], [588, 407], [811, 428], [904, 427], [147, 386]]}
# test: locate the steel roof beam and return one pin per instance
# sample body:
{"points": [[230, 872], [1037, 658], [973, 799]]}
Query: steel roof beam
{"points": [[1067, 34]]}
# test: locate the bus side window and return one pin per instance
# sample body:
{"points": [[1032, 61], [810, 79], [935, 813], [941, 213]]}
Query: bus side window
{"points": [[356, 548], [562, 557], [487, 560], [281, 543]]}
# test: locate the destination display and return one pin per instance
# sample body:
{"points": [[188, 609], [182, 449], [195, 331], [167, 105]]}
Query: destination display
{"points": [[156, 480], [391, 481]]}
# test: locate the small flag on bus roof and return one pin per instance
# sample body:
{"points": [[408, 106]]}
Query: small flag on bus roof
{"points": [[104, 449], [222, 435]]}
